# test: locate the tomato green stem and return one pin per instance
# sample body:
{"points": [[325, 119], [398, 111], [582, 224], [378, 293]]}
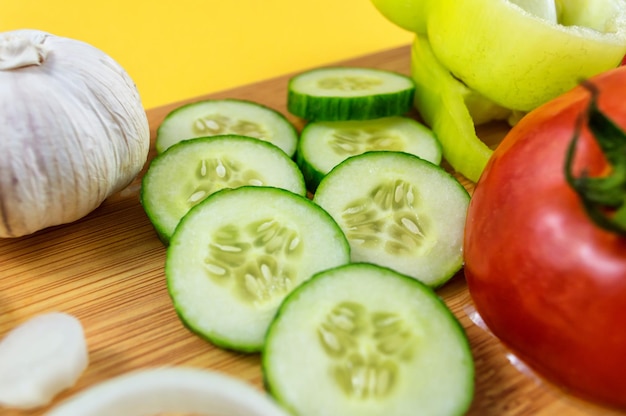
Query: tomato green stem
{"points": [[603, 197]]}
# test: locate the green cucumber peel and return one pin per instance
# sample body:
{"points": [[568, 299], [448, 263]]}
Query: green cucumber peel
{"points": [[190, 170], [349, 93], [374, 342], [236, 255], [213, 117], [323, 145], [398, 211]]}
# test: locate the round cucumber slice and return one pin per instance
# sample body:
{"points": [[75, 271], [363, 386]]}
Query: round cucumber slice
{"points": [[325, 144], [236, 255], [364, 340], [193, 169], [349, 93], [398, 211], [227, 116]]}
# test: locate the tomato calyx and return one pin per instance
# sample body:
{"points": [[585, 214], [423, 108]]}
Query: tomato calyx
{"points": [[603, 197]]}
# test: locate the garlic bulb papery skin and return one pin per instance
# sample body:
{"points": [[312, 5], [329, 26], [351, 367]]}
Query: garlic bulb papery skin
{"points": [[73, 130]]}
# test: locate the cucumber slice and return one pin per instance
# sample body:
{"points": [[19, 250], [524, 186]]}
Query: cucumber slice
{"points": [[325, 144], [349, 93], [364, 340], [227, 116], [398, 211], [191, 170], [236, 255]]}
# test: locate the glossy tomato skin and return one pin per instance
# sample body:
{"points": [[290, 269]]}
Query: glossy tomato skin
{"points": [[547, 281]]}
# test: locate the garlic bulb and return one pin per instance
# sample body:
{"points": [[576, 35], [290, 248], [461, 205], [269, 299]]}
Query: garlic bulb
{"points": [[73, 130]]}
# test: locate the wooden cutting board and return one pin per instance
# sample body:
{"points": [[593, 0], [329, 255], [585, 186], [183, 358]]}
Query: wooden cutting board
{"points": [[107, 270]]}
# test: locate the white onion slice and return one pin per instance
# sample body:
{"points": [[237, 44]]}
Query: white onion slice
{"points": [[40, 358], [177, 390]]}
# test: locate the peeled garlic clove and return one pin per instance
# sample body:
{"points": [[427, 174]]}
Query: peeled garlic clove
{"points": [[73, 130], [520, 60], [40, 358], [178, 390]]}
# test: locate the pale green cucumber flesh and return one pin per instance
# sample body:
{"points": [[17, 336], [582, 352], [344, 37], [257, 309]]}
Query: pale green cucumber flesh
{"points": [[236, 255], [325, 144], [398, 211], [227, 116], [364, 340], [349, 93], [193, 169]]}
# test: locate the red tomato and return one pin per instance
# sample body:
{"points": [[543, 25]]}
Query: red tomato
{"points": [[547, 281]]}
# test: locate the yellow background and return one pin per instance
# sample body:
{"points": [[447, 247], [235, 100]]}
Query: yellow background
{"points": [[176, 50]]}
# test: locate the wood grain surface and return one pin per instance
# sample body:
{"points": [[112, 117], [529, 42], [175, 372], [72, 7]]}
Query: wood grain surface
{"points": [[107, 270]]}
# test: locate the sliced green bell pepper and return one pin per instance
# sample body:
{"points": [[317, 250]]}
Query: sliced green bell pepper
{"points": [[520, 60], [441, 101], [477, 60]]}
